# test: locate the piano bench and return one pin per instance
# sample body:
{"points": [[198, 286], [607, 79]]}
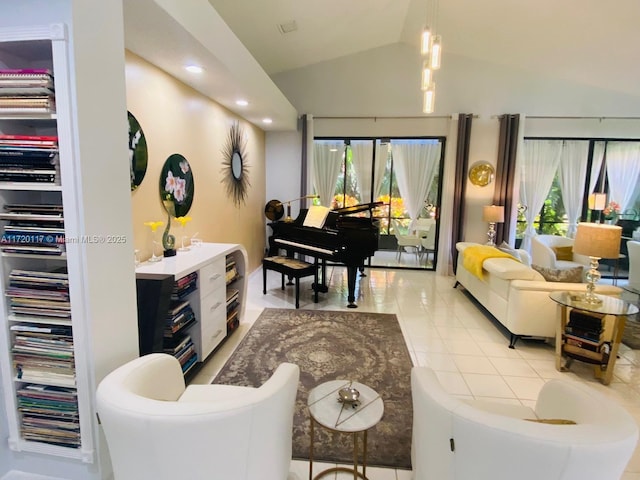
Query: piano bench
{"points": [[292, 268]]}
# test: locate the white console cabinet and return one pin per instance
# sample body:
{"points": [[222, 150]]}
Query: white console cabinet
{"points": [[215, 289]]}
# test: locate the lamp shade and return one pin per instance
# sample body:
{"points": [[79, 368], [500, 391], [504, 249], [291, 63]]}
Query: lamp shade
{"points": [[493, 213], [598, 240], [597, 201]]}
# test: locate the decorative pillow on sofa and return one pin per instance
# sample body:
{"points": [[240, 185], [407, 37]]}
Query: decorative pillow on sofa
{"points": [[504, 246], [568, 275], [564, 253]]}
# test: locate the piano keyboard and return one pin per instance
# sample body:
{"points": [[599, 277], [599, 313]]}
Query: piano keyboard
{"points": [[304, 246]]}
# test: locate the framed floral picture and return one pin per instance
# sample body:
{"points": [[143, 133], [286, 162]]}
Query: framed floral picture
{"points": [[138, 155], [176, 185]]}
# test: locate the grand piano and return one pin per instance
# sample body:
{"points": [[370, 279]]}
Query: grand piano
{"points": [[343, 239]]}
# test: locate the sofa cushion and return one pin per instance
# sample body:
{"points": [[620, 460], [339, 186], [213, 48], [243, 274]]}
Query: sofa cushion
{"points": [[567, 275], [504, 247], [510, 269], [564, 253]]}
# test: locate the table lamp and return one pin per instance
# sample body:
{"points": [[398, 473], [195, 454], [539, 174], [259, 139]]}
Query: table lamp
{"points": [[596, 240], [492, 214], [597, 203]]}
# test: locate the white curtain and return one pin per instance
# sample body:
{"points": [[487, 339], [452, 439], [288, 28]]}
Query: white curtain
{"points": [[596, 165], [539, 165], [382, 153], [327, 160], [415, 163], [445, 242], [572, 173], [623, 172], [361, 157]]}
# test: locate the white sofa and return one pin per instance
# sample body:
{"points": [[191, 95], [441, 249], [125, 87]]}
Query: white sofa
{"points": [[459, 439], [517, 295], [156, 429]]}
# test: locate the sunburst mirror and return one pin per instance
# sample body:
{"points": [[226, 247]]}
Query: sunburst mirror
{"points": [[235, 168]]}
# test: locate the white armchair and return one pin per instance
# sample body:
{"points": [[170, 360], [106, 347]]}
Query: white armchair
{"points": [[156, 429], [454, 439], [633, 251], [543, 255]]}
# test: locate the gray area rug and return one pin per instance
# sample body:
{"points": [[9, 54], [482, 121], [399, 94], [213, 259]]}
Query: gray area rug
{"points": [[329, 345]]}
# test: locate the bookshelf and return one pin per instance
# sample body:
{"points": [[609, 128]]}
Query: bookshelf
{"points": [[217, 298], [585, 333]]}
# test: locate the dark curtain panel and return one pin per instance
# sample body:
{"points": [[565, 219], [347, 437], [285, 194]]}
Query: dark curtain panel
{"points": [[303, 157], [460, 186], [505, 173]]}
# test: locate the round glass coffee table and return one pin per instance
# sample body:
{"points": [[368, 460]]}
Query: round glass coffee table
{"points": [[326, 410]]}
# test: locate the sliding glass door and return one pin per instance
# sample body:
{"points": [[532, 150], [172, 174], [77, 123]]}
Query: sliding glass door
{"points": [[403, 173]]}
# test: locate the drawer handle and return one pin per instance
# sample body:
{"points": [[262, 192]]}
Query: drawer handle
{"points": [[216, 334], [214, 277], [213, 307]]}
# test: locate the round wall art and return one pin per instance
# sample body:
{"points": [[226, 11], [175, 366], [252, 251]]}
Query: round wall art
{"points": [[235, 169], [176, 186], [138, 155]]}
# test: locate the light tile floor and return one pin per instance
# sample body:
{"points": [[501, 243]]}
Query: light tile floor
{"points": [[445, 330]]}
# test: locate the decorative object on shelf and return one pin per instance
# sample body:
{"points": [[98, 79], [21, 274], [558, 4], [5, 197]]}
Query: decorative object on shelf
{"points": [[138, 155], [492, 214], [431, 50], [183, 221], [168, 240], [611, 211], [597, 241], [235, 169], [154, 226], [274, 210], [176, 193], [481, 174]]}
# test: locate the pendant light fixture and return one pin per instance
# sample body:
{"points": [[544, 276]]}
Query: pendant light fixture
{"points": [[431, 51]]}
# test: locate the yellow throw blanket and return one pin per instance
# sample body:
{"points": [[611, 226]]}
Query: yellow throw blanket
{"points": [[474, 256]]}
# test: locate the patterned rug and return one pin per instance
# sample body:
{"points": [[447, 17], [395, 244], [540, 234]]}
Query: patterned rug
{"points": [[329, 345]]}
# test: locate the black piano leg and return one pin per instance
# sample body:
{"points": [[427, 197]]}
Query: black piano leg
{"points": [[362, 274], [351, 285], [321, 284]]}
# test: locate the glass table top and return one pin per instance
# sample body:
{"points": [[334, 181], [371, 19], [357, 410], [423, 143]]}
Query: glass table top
{"points": [[609, 305]]}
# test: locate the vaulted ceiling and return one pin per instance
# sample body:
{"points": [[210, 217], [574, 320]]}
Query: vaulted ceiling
{"points": [[591, 42]]}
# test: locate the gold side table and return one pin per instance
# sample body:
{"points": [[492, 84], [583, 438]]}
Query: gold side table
{"points": [[616, 307], [327, 411]]}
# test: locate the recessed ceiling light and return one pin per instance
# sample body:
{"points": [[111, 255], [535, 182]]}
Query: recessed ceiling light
{"points": [[242, 103], [267, 120], [194, 68]]}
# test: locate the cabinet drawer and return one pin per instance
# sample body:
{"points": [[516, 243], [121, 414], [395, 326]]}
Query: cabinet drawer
{"points": [[212, 277], [214, 325]]}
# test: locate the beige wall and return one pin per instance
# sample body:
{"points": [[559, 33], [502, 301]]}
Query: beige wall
{"points": [[177, 119]]}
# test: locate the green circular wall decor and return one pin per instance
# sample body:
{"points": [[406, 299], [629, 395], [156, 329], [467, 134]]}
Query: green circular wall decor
{"points": [[138, 155], [176, 185], [235, 168]]}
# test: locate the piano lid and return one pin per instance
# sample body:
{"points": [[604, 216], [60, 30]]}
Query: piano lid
{"points": [[357, 208]]}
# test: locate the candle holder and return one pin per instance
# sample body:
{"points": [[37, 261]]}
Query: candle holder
{"points": [[154, 227], [183, 221]]}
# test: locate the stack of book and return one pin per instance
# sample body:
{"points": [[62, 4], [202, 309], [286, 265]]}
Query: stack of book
{"points": [[49, 415], [583, 337], [177, 341], [26, 91], [29, 159], [43, 354], [33, 229], [39, 295], [233, 305], [231, 270]]}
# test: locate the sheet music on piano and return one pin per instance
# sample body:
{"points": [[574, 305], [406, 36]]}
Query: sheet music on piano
{"points": [[316, 216]]}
